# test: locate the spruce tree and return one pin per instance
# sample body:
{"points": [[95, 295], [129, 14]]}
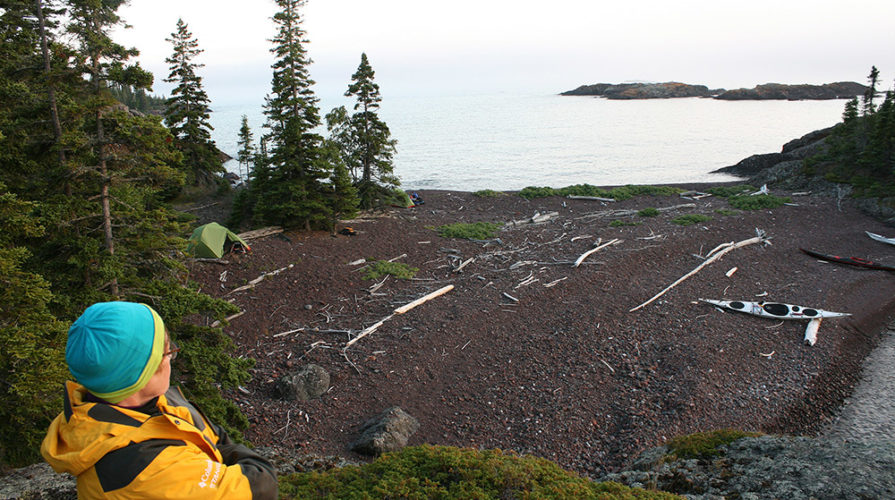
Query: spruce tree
{"points": [[246, 153], [871, 92], [187, 112], [365, 140], [287, 183]]}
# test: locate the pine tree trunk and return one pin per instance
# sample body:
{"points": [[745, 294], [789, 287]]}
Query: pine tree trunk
{"points": [[54, 111]]}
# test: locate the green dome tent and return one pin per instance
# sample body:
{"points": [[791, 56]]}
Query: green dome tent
{"points": [[213, 240]]}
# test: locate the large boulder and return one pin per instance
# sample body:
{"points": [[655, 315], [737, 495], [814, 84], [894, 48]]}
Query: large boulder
{"points": [[307, 383], [388, 431]]}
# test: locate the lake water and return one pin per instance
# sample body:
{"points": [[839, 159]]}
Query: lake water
{"points": [[508, 142]]}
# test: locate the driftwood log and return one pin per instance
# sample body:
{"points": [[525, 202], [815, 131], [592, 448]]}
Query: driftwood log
{"points": [[714, 255], [592, 250], [401, 310], [260, 233]]}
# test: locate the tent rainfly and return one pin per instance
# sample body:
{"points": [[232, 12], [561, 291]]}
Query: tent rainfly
{"points": [[213, 241]]}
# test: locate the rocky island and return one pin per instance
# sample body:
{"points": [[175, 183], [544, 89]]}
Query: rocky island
{"points": [[767, 91]]}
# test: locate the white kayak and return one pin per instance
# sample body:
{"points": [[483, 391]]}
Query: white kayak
{"points": [[879, 237], [775, 309]]}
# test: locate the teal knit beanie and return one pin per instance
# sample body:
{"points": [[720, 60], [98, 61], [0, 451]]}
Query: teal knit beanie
{"points": [[114, 348]]}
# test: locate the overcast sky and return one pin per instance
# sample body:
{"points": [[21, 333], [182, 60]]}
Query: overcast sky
{"points": [[423, 47]]}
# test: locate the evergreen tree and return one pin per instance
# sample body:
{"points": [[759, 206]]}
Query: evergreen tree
{"points": [[871, 92], [187, 112], [246, 154], [365, 140], [287, 183], [342, 194]]}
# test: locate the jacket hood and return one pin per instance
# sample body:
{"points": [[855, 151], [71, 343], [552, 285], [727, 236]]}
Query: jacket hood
{"points": [[86, 431]]}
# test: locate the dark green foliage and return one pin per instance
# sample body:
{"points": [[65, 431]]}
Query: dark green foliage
{"points": [[138, 99], [861, 149], [704, 445], [187, 112], [757, 202], [32, 340], [690, 219], [728, 191], [648, 212], [619, 193], [475, 231], [287, 185], [488, 193], [382, 268], [452, 473], [245, 142], [726, 212], [621, 223]]}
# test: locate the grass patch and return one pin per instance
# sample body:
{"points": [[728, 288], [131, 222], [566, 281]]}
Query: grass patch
{"points": [[690, 219], [757, 202], [703, 445], [476, 231], [648, 212], [488, 193], [445, 472], [380, 268], [621, 223], [728, 191], [619, 193], [725, 212]]}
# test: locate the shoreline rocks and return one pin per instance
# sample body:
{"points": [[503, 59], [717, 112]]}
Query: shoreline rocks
{"points": [[767, 91]]}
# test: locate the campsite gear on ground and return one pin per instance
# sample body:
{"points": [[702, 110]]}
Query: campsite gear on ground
{"points": [[774, 309], [416, 199], [213, 240], [882, 238], [852, 261], [348, 231]]}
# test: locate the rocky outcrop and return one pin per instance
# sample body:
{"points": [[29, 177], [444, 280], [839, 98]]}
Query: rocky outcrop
{"points": [[665, 90], [779, 91], [307, 383], [389, 431], [771, 467], [768, 91]]}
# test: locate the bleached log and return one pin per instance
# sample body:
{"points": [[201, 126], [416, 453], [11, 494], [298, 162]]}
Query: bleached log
{"points": [[398, 257], [357, 262], [713, 258], [592, 250], [464, 264], [554, 282], [281, 334], [401, 310], [259, 279], [441, 291], [811, 331], [594, 198], [730, 273], [260, 233], [228, 318], [211, 261]]}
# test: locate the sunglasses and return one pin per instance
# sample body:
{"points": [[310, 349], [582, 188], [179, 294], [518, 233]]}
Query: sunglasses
{"points": [[172, 350]]}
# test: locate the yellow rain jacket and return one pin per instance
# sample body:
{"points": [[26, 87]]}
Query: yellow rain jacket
{"points": [[164, 449]]}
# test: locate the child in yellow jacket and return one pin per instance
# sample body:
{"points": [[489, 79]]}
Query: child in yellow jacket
{"points": [[126, 433]]}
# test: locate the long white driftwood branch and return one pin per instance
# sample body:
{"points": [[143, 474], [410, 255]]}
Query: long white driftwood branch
{"points": [[260, 233], [401, 310], [716, 255], [259, 279], [592, 250]]}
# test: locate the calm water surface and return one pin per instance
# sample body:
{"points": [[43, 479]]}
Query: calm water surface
{"points": [[507, 142]]}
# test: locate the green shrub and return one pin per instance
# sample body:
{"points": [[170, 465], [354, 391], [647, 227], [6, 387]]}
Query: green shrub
{"points": [[532, 192], [648, 212], [690, 219], [442, 472], [476, 231], [728, 191], [619, 193], [488, 193], [382, 268], [621, 223], [725, 212], [757, 202], [703, 445]]}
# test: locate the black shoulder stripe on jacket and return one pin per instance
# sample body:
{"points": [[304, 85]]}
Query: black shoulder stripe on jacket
{"points": [[107, 413], [66, 405], [120, 467]]}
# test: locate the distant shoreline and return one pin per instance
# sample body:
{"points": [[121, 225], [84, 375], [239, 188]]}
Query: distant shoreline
{"points": [[767, 91]]}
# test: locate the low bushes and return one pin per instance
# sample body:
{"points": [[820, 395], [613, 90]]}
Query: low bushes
{"points": [[476, 231]]}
